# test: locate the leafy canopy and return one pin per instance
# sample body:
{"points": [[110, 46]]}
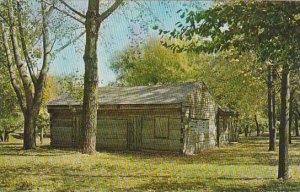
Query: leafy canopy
{"points": [[270, 29], [231, 81]]}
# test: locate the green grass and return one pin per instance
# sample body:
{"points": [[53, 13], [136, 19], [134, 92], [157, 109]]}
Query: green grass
{"points": [[247, 166]]}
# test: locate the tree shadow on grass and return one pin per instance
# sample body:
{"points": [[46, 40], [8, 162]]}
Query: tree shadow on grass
{"points": [[209, 185], [272, 185], [245, 153], [10, 144], [224, 156], [15, 149]]}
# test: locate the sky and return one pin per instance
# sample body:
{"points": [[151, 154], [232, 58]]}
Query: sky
{"points": [[131, 23]]}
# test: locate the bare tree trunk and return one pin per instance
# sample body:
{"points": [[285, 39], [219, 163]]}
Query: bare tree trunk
{"points": [[90, 100], [291, 116], [246, 129], [6, 136], [42, 135], [272, 131], [29, 130], [1, 137], [296, 126], [274, 74], [257, 125], [283, 167], [218, 129]]}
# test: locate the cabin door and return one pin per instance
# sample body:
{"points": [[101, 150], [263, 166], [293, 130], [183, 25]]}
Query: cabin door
{"points": [[134, 133]]}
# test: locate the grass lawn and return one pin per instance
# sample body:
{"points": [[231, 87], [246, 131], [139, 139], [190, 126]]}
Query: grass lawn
{"points": [[247, 166]]}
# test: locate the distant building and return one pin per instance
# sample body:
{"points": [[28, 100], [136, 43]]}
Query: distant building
{"points": [[177, 117]]}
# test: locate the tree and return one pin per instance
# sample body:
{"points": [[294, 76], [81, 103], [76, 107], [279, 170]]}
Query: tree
{"points": [[93, 20], [43, 122], [70, 86], [239, 26], [257, 126], [27, 46], [231, 80], [150, 63], [27, 84], [271, 107]]}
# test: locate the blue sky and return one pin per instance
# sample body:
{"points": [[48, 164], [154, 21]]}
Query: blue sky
{"points": [[131, 23]]}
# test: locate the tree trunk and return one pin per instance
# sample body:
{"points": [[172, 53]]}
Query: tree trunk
{"points": [[1, 136], [246, 130], [42, 135], [90, 99], [272, 131], [218, 129], [291, 116], [257, 125], [296, 126], [6, 136], [284, 125], [30, 95], [29, 131]]}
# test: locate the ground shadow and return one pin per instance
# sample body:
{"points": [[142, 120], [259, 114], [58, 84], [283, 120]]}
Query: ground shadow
{"points": [[16, 149]]}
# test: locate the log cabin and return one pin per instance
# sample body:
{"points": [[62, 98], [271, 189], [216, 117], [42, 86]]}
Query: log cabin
{"points": [[180, 117]]}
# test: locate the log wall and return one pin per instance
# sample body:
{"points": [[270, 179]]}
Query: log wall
{"points": [[61, 129], [113, 128]]}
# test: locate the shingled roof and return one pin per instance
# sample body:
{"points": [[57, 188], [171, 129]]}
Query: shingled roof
{"points": [[156, 94]]}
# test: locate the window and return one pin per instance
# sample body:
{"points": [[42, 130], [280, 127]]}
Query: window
{"points": [[161, 127]]}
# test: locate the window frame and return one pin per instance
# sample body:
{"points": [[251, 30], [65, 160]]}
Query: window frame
{"points": [[168, 127]]}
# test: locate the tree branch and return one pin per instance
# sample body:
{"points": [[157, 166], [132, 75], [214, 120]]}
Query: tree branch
{"points": [[38, 94], [72, 9], [12, 68], [23, 44], [46, 45], [65, 12], [69, 42], [110, 10], [27, 84]]}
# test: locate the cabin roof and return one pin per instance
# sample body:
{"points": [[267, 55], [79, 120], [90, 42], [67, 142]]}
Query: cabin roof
{"points": [[155, 94]]}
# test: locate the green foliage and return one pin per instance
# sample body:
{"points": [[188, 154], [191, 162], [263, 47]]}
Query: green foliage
{"points": [[234, 82], [150, 64], [70, 86], [269, 29], [50, 92], [231, 80], [8, 99], [43, 121], [12, 123]]}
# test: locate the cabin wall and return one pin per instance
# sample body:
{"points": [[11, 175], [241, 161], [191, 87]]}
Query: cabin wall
{"points": [[115, 128], [61, 129], [170, 140], [200, 117], [228, 129], [142, 128]]}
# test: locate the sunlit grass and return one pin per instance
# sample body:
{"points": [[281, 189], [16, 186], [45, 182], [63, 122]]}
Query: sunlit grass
{"points": [[247, 166]]}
